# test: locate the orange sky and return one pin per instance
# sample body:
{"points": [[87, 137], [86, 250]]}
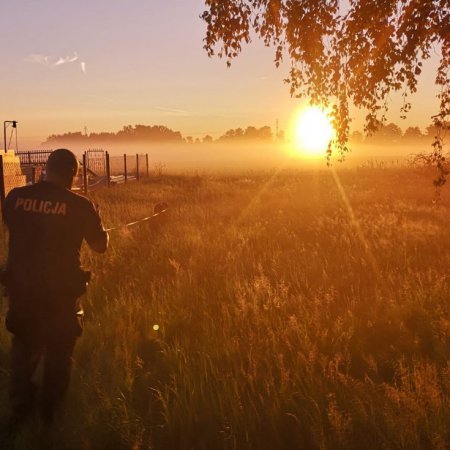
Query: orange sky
{"points": [[108, 63]]}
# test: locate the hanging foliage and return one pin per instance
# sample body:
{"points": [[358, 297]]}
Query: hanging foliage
{"points": [[354, 52]]}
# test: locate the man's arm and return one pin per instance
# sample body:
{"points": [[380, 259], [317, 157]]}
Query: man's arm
{"points": [[8, 207], [101, 245], [94, 232]]}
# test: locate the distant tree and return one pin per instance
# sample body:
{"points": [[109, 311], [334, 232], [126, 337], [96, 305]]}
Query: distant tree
{"points": [[77, 137], [340, 54], [432, 129], [265, 133], [413, 133], [249, 134], [356, 137], [207, 139], [189, 140], [389, 134], [232, 134], [125, 133], [101, 137], [238, 133]]}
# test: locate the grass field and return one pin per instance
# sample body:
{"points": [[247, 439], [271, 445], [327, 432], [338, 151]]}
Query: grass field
{"points": [[296, 310]]}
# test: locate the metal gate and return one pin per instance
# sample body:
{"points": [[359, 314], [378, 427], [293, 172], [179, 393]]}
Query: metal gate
{"points": [[95, 169]]}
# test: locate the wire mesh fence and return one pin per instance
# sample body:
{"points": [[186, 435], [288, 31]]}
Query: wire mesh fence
{"points": [[97, 169], [129, 167], [142, 165], [11, 175], [116, 164]]}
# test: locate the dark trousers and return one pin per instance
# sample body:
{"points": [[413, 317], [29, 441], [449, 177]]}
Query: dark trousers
{"points": [[41, 335]]}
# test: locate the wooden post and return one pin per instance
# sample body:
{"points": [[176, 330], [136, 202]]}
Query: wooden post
{"points": [[137, 167], [85, 180], [2, 184], [125, 166], [146, 163], [108, 170]]}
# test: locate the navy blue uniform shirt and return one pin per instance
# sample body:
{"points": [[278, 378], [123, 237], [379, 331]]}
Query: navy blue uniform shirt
{"points": [[47, 225]]}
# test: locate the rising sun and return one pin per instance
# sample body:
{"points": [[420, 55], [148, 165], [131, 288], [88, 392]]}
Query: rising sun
{"points": [[313, 132]]}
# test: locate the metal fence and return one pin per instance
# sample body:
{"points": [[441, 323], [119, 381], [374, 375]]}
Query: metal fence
{"points": [[128, 168], [96, 162], [33, 157], [97, 169], [94, 170]]}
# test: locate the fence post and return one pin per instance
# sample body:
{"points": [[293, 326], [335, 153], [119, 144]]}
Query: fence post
{"points": [[108, 169], [2, 184], [137, 167], [85, 180], [146, 163], [125, 166]]}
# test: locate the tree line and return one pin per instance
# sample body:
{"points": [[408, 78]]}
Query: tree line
{"points": [[160, 134], [390, 133]]}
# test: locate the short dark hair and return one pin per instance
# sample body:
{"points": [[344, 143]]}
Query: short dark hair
{"points": [[62, 162]]}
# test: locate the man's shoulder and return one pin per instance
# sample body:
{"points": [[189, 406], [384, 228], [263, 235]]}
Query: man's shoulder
{"points": [[66, 195], [22, 190], [80, 200]]}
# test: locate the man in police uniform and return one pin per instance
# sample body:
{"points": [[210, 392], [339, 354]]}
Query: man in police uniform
{"points": [[47, 224]]}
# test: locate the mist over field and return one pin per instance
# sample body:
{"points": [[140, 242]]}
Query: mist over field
{"points": [[223, 157]]}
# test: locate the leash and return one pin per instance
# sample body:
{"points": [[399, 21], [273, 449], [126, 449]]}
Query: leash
{"points": [[138, 221]]}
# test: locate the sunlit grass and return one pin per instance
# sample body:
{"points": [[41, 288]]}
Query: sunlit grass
{"points": [[251, 317]]}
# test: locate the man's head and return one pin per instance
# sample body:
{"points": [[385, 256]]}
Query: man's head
{"points": [[62, 166]]}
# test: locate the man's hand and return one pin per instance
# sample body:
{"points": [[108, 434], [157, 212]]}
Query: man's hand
{"points": [[102, 245]]}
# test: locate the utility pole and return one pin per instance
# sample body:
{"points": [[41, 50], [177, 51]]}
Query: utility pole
{"points": [[6, 124], [2, 184]]}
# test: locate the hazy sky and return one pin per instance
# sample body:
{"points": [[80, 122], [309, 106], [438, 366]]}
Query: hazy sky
{"points": [[107, 63]]}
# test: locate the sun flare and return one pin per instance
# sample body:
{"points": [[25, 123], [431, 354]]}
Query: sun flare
{"points": [[313, 132]]}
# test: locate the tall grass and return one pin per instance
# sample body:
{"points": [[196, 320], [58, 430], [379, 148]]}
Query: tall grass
{"points": [[292, 314]]}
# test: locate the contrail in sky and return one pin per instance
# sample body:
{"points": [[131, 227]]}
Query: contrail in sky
{"points": [[173, 111], [51, 61], [67, 59]]}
